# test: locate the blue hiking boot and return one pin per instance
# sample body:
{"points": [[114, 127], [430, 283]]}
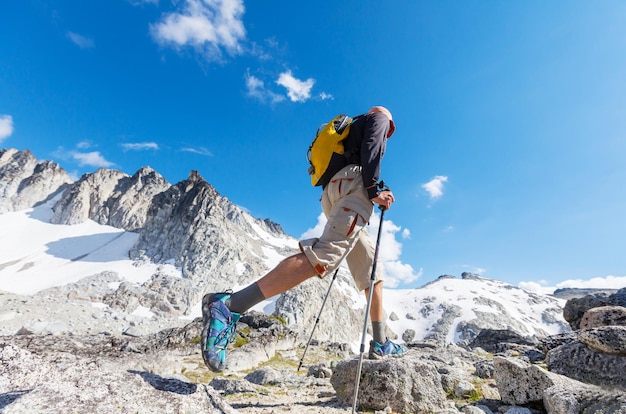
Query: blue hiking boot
{"points": [[378, 351], [218, 329]]}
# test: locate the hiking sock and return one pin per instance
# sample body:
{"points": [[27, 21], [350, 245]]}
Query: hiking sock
{"points": [[246, 298], [378, 332]]}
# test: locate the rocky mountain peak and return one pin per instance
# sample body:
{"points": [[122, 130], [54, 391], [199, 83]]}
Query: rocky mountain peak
{"points": [[194, 176], [110, 197], [202, 232], [25, 182], [471, 276]]}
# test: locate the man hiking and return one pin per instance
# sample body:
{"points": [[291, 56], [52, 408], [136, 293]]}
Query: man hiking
{"points": [[348, 201]]}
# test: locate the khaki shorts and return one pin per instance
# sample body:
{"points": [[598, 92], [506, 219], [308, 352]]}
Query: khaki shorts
{"points": [[348, 210]]}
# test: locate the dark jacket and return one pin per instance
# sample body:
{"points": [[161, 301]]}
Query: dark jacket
{"points": [[365, 146]]}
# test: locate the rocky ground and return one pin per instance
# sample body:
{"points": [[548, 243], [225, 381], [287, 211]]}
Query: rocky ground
{"points": [[277, 386], [103, 371], [104, 368], [24, 318], [60, 325]]}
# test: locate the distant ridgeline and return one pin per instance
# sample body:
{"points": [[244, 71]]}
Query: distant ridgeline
{"points": [[571, 293]]}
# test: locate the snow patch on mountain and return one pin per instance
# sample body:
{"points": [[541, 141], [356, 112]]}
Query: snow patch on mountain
{"points": [[36, 255]]}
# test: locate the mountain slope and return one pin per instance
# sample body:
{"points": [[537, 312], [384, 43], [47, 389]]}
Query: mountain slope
{"points": [[455, 310]]}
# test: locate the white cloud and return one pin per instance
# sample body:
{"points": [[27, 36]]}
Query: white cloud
{"points": [[317, 230], [607, 282], [140, 146], [255, 85], [395, 272], [324, 96], [297, 90], [94, 159], [199, 151], [259, 51], [392, 247], [6, 126], [435, 186], [406, 234], [81, 41], [208, 25], [536, 287], [256, 89], [474, 269]]}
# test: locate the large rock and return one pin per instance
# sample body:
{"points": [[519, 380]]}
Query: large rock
{"points": [[25, 182], [568, 399], [521, 383], [578, 361], [606, 339], [575, 309], [554, 341], [495, 340], [406, 384], [32, 383], [603, 316]]}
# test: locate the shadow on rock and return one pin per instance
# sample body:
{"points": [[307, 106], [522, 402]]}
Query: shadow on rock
{"points": [[167, 384], [10, 397]]}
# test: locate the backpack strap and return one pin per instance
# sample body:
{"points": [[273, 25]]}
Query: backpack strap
{"points": [[342, 123], [352, 156]]}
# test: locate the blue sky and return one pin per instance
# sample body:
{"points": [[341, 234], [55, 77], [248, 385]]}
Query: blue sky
{"points": [[511, 115]]}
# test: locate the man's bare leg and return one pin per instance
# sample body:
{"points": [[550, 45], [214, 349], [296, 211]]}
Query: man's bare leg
{"points": [[376, 309], [221, 311], [289, 273], [377, 313]]}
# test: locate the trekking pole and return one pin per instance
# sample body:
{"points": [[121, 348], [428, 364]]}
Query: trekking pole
{"points": [[318, 318], [369, 303]]}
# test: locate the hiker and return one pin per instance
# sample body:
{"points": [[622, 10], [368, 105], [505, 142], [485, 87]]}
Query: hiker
{"points": [[348, 202]]}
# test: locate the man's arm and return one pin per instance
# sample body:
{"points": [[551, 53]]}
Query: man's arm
{"points": [[372, 151]]}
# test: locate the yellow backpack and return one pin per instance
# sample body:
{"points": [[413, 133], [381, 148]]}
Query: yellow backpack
{"points": [[325, 154]]}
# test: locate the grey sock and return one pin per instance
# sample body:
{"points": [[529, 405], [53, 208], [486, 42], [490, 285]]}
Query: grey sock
{"points": [[246, 298], [378, 332]]}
